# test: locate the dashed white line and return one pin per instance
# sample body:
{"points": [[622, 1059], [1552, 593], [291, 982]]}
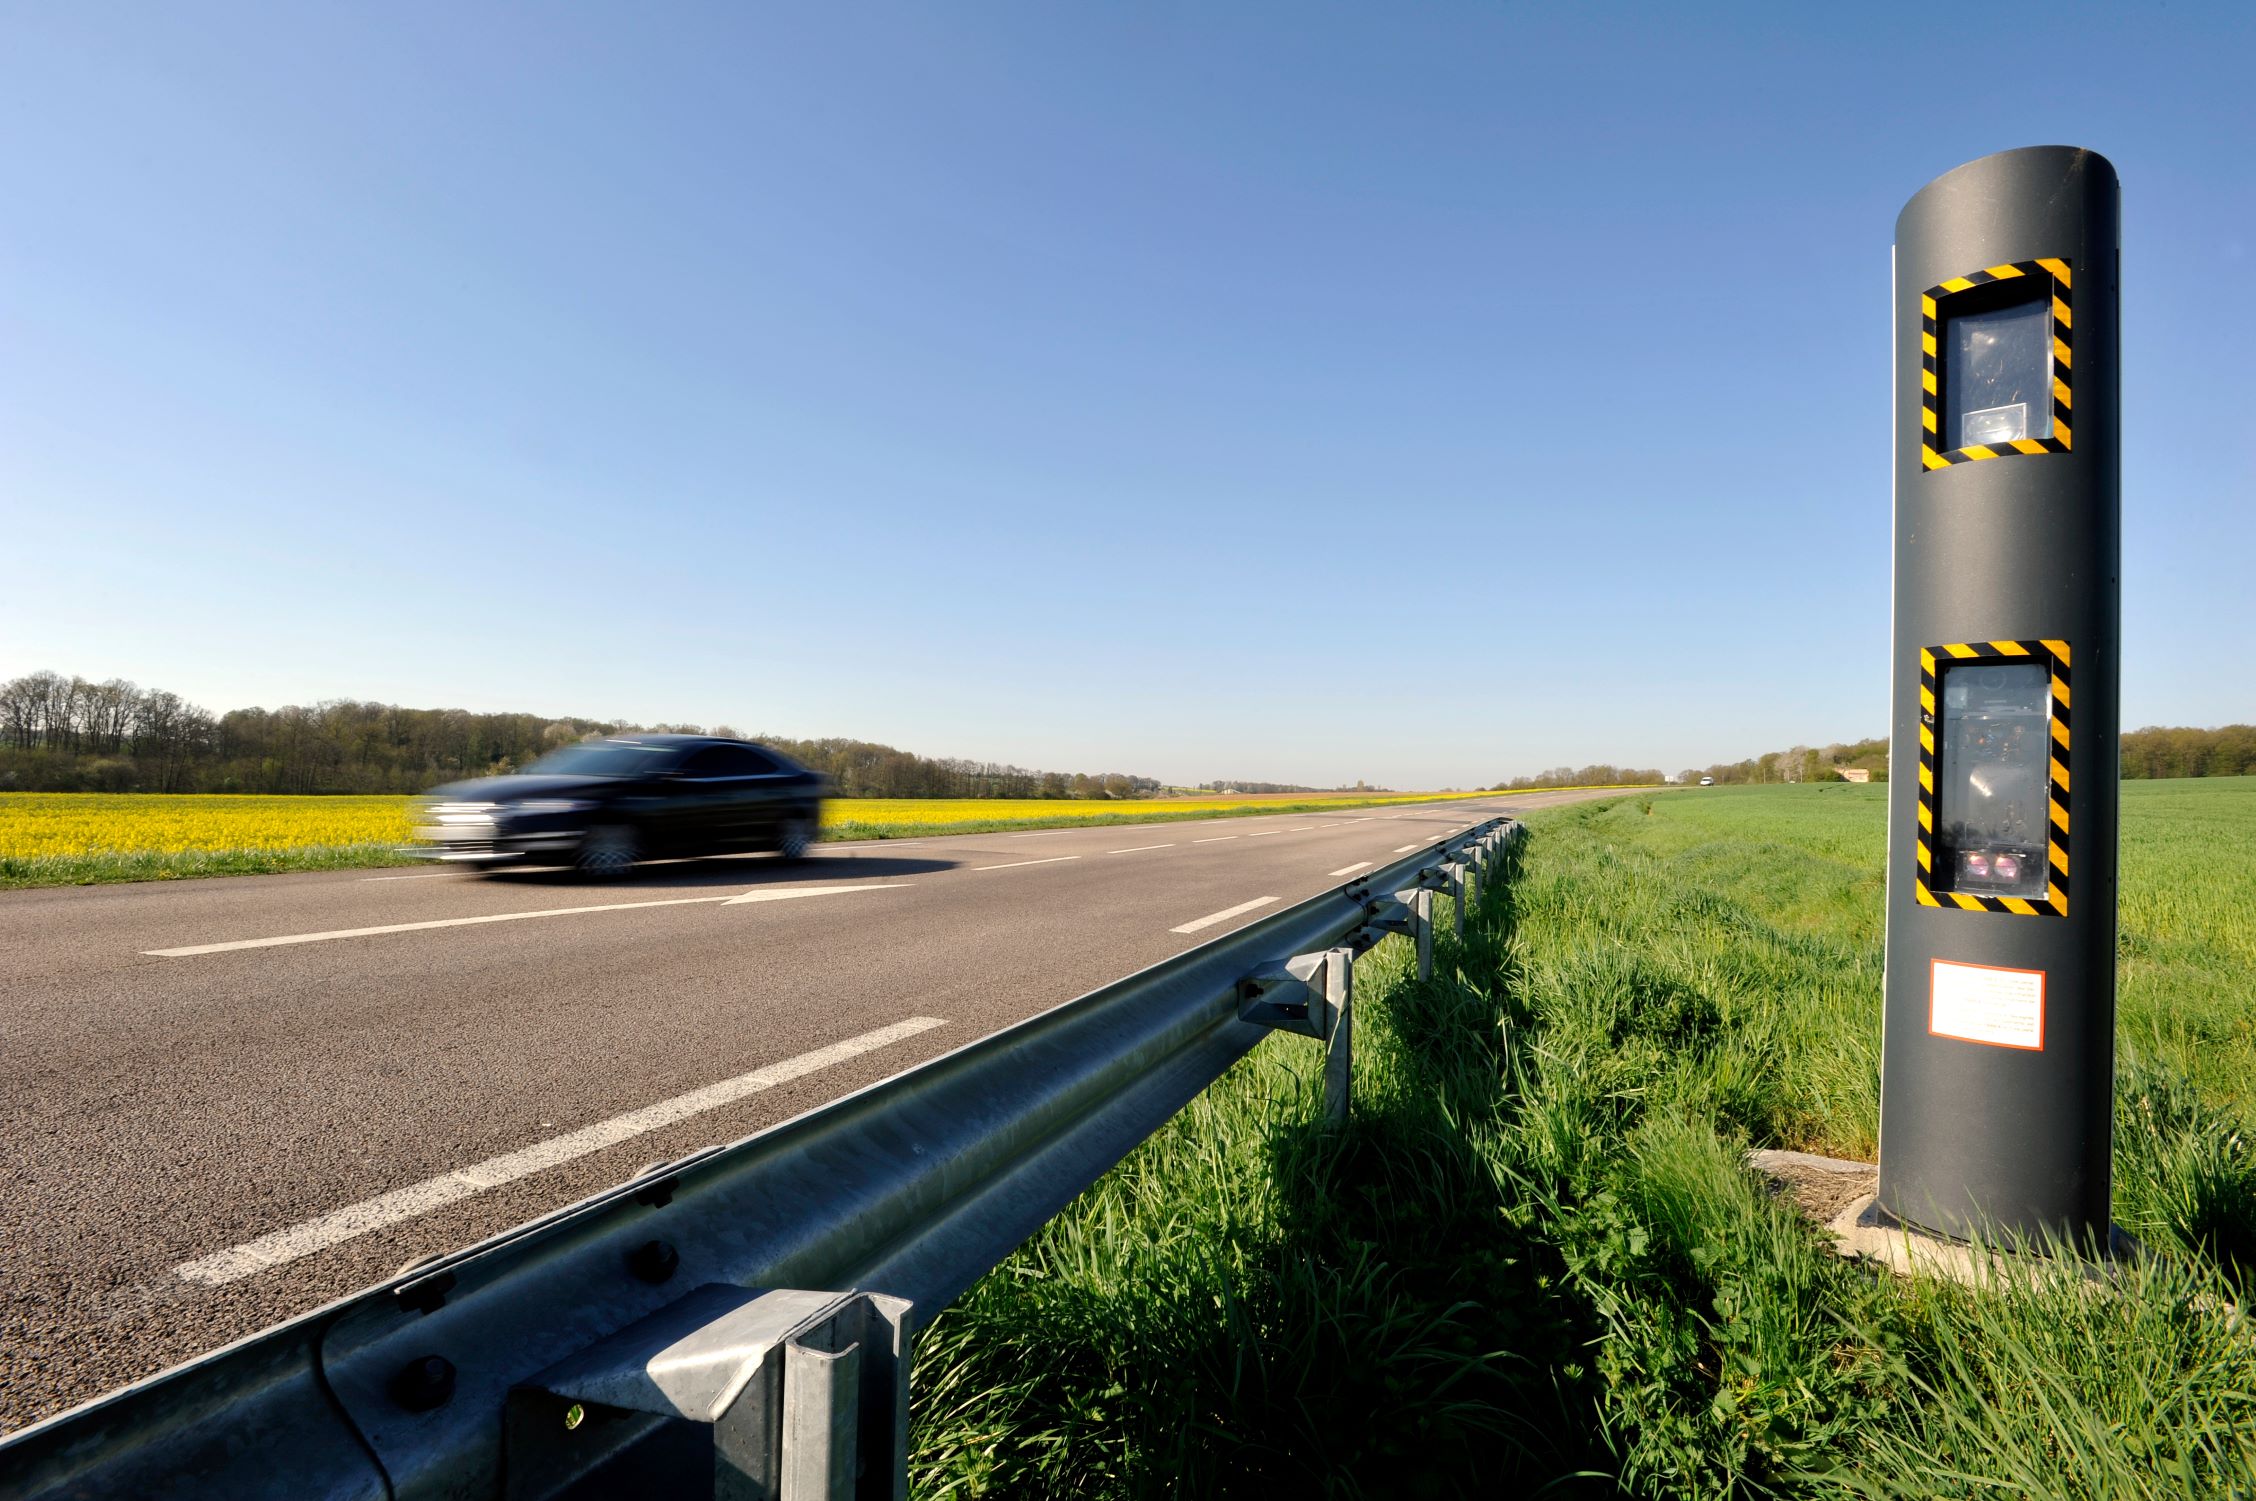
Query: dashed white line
{"points": [[309, 1236], [756, 894], [1139, 848], [1406, 849], [1217, 839], [1224, 915], [1348, 870], [1014, 864], [1265, 833]]}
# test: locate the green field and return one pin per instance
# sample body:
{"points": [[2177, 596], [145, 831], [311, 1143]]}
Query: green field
{"points": [[1534, 1259]]}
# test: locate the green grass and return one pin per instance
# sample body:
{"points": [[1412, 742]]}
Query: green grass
{"points": [[174, 865], [1535, 1259]]}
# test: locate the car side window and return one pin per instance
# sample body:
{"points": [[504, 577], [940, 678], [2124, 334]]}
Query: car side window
{"points": [[727, 761], [712, 761]]}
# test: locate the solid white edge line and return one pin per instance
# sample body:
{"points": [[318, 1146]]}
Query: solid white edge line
{"points": [[757, 894], [435, 875], [1348, 870], [1224, 915], [323, 1231], [1014, 864], [1135, 849]]}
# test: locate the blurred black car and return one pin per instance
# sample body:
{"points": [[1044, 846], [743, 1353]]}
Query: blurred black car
{"points": [[603, 805]]}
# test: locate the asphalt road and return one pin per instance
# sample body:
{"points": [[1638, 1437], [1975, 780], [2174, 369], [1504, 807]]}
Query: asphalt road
{"points": [[224, 1102]]}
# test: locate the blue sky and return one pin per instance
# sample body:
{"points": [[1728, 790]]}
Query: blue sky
{"points": [[1304, 391]]}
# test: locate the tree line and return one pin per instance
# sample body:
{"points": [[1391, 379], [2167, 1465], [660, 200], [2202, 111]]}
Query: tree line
{"points": [[1803, 763], [1600, 775], [2151, 753], [68, 734], [1228, 785]]}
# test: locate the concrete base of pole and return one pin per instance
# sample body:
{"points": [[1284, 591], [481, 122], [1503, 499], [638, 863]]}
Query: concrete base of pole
{"points": [[1838, 1194]]}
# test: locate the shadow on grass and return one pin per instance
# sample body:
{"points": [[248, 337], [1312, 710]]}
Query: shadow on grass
{"points": [[1254, 1304], [1401, 1210]]}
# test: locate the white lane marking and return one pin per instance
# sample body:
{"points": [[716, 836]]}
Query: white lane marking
{"points": [[1224, 915], [1348, 870], [1298, 828], [1265, 833], [1406, 849], [1139, 848], [323, 1231], [1217, 839], [778, 894], [436, 875], [1014, 864], [788, 893], [1046, 833]]}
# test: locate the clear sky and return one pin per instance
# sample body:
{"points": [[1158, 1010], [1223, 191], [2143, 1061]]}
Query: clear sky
{"points": [[1304, 391]]}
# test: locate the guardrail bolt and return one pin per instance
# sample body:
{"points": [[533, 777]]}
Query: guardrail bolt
{"points": [[424, 1383], [654, 1261]]}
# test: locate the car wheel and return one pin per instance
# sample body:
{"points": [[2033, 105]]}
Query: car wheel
{"points": [[608, 851], [798, 837]]}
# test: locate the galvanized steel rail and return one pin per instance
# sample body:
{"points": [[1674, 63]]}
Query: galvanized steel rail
{"points": [[657, 1327]]}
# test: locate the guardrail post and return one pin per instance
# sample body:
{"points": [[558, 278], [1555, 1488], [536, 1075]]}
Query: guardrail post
{"points": [[1457, 900], [732, 1392], [1425, 935], [820, 1431], [1339, 992]]}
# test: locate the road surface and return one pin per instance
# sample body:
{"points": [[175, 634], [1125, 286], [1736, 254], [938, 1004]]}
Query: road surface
{"points": [[224, 1102]]}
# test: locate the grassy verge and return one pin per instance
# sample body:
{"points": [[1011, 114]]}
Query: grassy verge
{"points": [[173, 865], [1534, 1260]]}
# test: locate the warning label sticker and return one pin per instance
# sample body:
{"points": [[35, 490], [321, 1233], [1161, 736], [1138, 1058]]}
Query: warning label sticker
{"points": [[1983, 1003]]}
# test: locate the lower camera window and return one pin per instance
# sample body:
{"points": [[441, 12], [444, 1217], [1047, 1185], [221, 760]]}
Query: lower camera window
{"points": [[1992, 761]]}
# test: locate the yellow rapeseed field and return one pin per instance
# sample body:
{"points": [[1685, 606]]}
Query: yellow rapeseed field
{"points": [[44, 825], [39, 825]]}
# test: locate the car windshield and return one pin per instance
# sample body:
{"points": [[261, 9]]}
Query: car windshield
{"points": [[605, 758]]}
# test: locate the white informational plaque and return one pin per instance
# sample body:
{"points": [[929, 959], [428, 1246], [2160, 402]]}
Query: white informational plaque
{"points": [[1984, 1003]]}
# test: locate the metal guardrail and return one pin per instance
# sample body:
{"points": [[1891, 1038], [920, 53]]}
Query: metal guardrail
{"points": [[653, 1339]]}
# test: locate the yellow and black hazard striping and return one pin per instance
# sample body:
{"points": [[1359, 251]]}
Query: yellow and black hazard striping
{"points": [[2054, 903], [2063, 373]]}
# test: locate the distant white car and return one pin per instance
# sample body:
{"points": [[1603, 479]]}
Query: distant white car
{"points": [[1707, 781]]}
